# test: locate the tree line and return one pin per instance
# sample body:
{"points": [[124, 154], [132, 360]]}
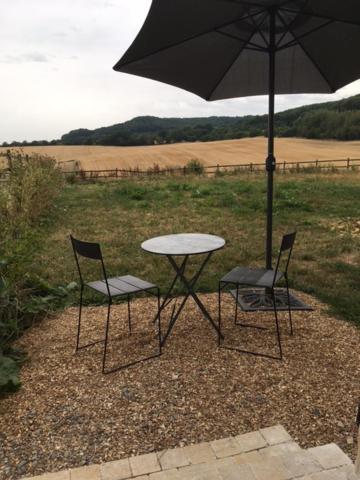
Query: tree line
{"points": [[339, 120]]}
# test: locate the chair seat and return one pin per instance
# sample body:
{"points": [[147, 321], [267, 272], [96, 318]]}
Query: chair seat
{"points": [[254, 277], [121, 285]]}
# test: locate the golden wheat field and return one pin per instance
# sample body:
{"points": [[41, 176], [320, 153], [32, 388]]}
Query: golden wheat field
{"points": [[231, 152]]}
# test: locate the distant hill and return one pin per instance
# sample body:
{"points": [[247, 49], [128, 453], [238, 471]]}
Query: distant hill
{"points": [[338, 120]]}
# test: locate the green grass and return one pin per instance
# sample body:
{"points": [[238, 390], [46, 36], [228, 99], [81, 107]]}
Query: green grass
{"points": [[120, 215]]}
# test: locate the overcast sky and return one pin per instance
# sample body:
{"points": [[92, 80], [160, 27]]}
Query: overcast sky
{"points": [[56, 60]]}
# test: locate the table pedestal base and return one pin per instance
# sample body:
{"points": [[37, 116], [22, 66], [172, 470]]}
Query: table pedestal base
{"points": [[258, 300], [189, 285]]}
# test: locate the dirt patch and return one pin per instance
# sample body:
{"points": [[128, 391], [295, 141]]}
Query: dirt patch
{"points": [[349, 226], [68, 414]]}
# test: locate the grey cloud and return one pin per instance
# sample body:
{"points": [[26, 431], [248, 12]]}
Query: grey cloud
{"points": [[25, 58]]}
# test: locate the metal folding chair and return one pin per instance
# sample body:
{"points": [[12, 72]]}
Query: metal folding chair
{"points": [[124, 286], [261, 278]]}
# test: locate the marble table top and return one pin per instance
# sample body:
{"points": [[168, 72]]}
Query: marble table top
{"points": [[183, 244]]}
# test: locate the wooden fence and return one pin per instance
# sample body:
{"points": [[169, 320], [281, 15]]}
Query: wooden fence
{"points": [[282, 167], [212, 170]]}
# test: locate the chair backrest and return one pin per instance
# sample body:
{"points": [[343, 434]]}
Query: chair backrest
{"points": [[288, 241], [88, 250], [287, 244]]}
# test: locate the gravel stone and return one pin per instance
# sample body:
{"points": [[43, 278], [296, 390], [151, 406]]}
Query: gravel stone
{"points": [[67, 414]]}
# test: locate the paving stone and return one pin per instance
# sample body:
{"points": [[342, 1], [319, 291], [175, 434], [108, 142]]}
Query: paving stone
{"points": [[201, 471], [91, 472], [118, 470], [203, 476], [270, 469], [275, 435], [349, 471], [330, 456], [203, 468], [280, 449], [226, 447], [222, 462], [251, 441], [172, 474], [63, 475], [249, 457], [173, 458], [200, 453], [236, 472], [334, 474], [144, 464], [301, 463]]}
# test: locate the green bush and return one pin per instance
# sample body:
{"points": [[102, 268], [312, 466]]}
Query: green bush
{"points": [[27, 195], [32, 184], [20, 306], [195, 167]]}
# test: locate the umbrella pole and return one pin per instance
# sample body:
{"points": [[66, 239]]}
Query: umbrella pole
{"points": [[270, 161]]}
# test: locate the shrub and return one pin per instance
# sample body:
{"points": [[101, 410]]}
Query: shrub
{"points": [[28, 192], [71, 178], [195, 167], [27, 195], [20, 305]]}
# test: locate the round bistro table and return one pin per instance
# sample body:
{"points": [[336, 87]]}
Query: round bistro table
{"points": [[184, 245]]}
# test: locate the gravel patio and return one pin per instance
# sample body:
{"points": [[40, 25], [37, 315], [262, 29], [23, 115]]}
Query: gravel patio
{"points": [[67, 414]]}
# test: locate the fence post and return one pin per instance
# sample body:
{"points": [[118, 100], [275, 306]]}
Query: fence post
{"points": [[317, 163], [116, 173], [284, 166], [348, 164]]}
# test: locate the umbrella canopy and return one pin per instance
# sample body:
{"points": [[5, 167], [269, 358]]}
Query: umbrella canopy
{"points": [[220, 49]]}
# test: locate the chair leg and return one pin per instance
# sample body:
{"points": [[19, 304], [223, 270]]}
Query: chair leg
{"points": [[236, 304], [79, 320], [289, 307], [219, 315], [129, 313], [159, 320], [106, 335], [277, 323]]}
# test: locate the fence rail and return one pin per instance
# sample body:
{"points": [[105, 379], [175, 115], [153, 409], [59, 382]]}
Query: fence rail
{"points": [[211, 170], [282, 167]]}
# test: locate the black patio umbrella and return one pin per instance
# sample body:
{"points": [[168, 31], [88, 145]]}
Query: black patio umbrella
{"points": [[222, 49]]}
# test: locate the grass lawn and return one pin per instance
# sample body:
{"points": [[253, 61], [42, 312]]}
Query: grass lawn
{"points": [[120, 215]]}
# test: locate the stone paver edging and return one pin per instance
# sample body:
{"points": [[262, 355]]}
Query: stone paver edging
{"points": [[267, 454]]}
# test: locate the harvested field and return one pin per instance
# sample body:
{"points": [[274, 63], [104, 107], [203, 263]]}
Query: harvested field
{"points": [[229, 152], [68, 414]]}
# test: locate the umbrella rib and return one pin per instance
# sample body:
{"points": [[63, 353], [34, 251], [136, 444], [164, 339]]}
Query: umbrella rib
{"points": [[310, 57], [324, 17], [258, 29], [288, 26], [176, 44], [208, 97], [287, 30], [244, 46], [256, 47], [295, 42], [249, 4], [252, 4]]}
